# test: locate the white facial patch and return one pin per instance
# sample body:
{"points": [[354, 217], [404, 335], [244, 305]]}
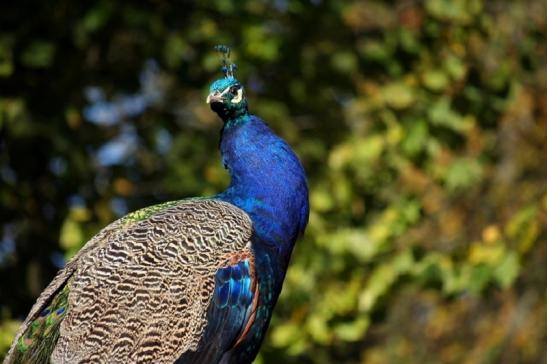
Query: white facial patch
{"points": [[237, 99]]}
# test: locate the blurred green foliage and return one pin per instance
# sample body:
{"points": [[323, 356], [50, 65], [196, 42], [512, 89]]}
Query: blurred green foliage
{"points": [[422, 126]]}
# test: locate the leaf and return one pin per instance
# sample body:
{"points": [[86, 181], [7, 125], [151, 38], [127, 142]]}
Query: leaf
{"points": [[353, 330], [435, 80], [382, 279], [97, 17], [6, 57], [344, 62], [441, 114], [486, 254], [175, 50], [283, 335], [71, 235], [8, 329], [455, 67], [260, 43], [398, 95], [321, 199], [416, 137], [507, 271], [318, 329], [463, 173], [479, 277], [38, 54], [524, 228], [458, 11]]}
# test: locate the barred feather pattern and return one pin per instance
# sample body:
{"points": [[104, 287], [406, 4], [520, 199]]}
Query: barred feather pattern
{"points": [[140, 289]]}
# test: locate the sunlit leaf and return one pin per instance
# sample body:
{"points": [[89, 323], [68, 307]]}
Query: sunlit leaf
{"points": [[398, 95]]}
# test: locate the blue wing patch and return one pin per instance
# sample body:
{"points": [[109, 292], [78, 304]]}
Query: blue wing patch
{"points": [[233, 286], [230, 314]]}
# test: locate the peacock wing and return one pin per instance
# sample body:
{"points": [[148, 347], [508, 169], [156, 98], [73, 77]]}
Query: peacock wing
{"points": [[143, 289]]}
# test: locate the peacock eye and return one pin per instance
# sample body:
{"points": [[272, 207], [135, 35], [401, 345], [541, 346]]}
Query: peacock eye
{"points": [[233, 90]]}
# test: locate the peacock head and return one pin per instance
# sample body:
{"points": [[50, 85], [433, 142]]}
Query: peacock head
{"points": [[226, 96]]}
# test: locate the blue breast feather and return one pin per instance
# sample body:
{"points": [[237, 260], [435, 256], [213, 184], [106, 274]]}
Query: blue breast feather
{"points": [[268, 183]]}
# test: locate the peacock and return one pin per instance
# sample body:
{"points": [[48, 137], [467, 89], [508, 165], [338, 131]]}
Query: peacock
{"points": [[187, 281]]}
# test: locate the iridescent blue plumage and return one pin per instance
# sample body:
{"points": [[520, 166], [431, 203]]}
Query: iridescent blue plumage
{"points": [[221, 84], [268, 183]]}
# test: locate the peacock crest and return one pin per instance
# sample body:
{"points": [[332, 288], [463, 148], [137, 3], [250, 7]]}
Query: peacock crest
{"points": [[228, 68]]}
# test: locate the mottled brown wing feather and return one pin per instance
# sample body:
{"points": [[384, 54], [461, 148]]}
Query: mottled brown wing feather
{"points": [[139, 290], [59, 282]]}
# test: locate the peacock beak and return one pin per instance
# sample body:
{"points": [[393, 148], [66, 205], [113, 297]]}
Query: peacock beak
{"points": [[214, 97]]}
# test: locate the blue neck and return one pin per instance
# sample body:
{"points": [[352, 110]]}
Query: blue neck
{"points": [[267, 182]]}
